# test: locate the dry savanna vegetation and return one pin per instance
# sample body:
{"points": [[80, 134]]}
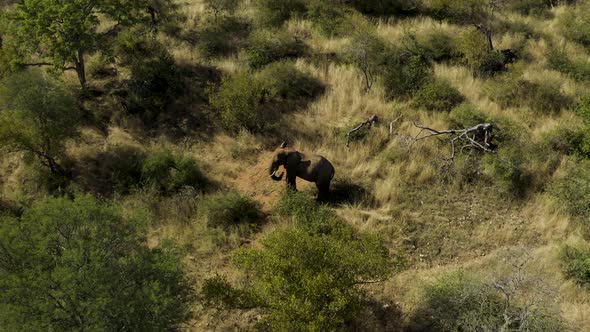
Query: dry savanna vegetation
{"points": [[136, 138]]}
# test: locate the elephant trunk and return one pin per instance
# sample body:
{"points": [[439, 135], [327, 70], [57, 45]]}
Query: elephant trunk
{"points": [[272, 170]]}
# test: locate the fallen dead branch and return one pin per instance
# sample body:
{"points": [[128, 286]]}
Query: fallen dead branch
{"points": [[371, 121], [478, 137]]}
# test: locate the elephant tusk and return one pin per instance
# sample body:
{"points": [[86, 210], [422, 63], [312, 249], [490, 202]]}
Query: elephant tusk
{"points": [[277, 177]]}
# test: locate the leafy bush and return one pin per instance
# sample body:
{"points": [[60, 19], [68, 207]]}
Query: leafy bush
{"points": [[267, 46], [531, 7], [285, 82], [307, 281], [466, 115], [274, 13], [365, 51], [569, 139], [578, 70], [225, 209], [583, 108], [404, 74], [38, 116], [325, 14], [170, 173], [237, 99], [154, 82], [438, 95], [508, 169], [218, 6], [511, 90], [473, 45], [575, 23], [440, 46], [459, 302], [381, 8], [79, 265], [222, 36], [574, 191], [575, 262], [306, 213]]}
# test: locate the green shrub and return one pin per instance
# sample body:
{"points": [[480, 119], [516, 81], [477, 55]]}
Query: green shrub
{"points": [[575, 23], [306, 213], [458, 302], [80, 265], [404, 74], [574, 191], [386, 8], [365, 52], [437, 95], [273, 13], [466, 115], [583, 108], [222, 36], [267, 46], [284, 82], [511, 90], [225, 209], [124, 165], [327, 15], [508, 169], [578, 70], [306, 282], [575, 262], [568, 139], [531, 7], [440, 46], [476, 54], [170, 173], [237, 99], [155, 81]]}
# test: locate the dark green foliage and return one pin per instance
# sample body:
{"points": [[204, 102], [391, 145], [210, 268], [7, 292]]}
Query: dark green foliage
{"points": [[38, 115], [219, 292], [509, 170], [266, 46], [578, 70], [284, 82], [274, 13], [124, 168], [466, 115], [225, 209], [575, 262], [237, 100], [574, 191], [531, 7], [155, 81], [385, 7], [569, 139], [458, 302], [583, 108], [404, 74], [307, 281], [222, 36], [575, 23], [306, 213], [437, 95], [327, 15], [440, 46], [79, 265], [218, 6], [511, 90]]}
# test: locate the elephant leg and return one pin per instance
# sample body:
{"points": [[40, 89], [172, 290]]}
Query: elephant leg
{"points": [[291, 183], [323, 191]]}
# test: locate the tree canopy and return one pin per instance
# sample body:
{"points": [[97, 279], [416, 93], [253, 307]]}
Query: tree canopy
{"points": [[79, 265]]}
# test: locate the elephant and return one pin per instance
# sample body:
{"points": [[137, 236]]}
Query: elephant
{"points": [[312, 168]]}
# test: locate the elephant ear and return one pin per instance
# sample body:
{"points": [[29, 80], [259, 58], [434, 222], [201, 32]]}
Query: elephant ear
{"points": [[293, 161], [283, 145]]}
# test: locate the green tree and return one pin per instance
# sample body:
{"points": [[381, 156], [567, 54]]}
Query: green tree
{"points": [[218, 6], [37, 116], [61, 33], [478, 13], [308, 281], [365, 51], [79, 265]]}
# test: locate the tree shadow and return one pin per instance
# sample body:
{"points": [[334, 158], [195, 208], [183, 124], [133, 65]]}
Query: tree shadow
{"points": [[344, 191], [377, 316]]}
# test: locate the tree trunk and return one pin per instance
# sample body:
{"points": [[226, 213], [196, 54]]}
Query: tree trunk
{"points": [[81, 69], [488, 34]]}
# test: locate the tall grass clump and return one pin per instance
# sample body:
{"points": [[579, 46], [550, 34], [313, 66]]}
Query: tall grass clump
{"points": [[273, 13], [574, 23], [579, 70], [222, 36], [574, 191], [575, 263]]}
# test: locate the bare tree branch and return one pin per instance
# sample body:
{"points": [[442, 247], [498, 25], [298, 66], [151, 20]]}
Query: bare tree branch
{"points": [[372, 120]]}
